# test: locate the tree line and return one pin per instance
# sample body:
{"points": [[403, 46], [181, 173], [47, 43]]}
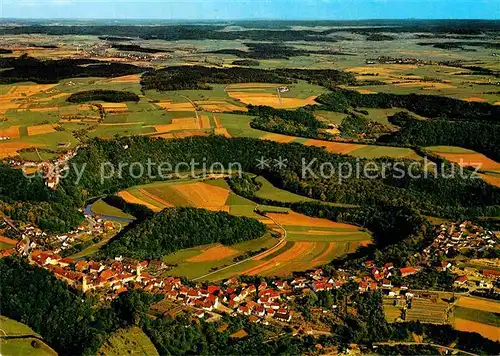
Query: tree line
{"points": [[199, 77], [482, 137], [300, 122], [450, 195], [25, 68], [430, 106], [110, 96]]}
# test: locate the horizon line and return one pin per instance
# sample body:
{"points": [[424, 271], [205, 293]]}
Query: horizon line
{"points": [[250, 19]]}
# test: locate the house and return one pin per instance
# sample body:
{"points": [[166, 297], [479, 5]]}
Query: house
{"points": [[318, 286], [199, 313], [460, 281], [386, 283], [231, 281], [407, 271], [299, 282], [369, 263], [445, 265], [284, 317]]}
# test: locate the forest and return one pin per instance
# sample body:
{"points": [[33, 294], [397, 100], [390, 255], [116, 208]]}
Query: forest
{"points": [[110, 96], [300, 122], [429, 106], [310, 171], [482, 137], [449, 195], [199, 77], [25, 68], [246, 62], [175, 229], [30, 200], [67, 320], [264, 51], [137, 48]]}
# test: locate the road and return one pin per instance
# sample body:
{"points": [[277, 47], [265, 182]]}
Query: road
{"points": [[192, 103], [393, 343], [275, 247]]}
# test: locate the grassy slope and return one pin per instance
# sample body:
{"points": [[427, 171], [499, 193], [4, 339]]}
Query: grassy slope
{"points": [[132, 341], [22, 346]]}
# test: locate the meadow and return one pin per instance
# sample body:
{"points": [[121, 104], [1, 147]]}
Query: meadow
{"points": [[130, 341], [27, 342]]}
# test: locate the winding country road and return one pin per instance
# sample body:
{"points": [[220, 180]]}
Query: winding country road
{"points": [[274, 248]]}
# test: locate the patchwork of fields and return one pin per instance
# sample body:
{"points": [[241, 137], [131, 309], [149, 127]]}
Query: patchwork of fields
{"points": [[478, 315], [466, 158], [310, 242]]}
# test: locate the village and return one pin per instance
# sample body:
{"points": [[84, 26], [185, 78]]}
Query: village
{"points": [[269, 300]]}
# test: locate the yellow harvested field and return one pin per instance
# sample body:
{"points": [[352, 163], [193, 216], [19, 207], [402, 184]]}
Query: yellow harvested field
{"points": [[278, 138], [185, 134], [214, 253], [479, 304], [114, 107], [490, 179], [488, 331], [298, 250], [334, 147], [6, 105], [50, 109], [217, 123], [155, 198], [296, 219], [222, 132], [205, 122], [11, 149], [203, 195], [133, 78], [365, 91], [56, 96], [381, 70], [7, 240], [129, 198], [476, 100], [167, 105], [188, 123], [323, 258], [85, 107], [497, 103], [12, 132], [471, 160], [219, 106], [271, 100], [41, 129], [28, 90]]}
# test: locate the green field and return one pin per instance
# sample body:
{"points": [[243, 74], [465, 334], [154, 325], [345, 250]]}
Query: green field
{"points": [[23, 345], [102, 208], [183, 267], [476, 315], [131, 341], [269, 191]]}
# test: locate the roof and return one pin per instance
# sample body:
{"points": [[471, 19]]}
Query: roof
{"points": [[408, 270]]}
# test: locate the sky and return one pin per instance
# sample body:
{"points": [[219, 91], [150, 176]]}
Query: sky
{"points": [[252, 9]]}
